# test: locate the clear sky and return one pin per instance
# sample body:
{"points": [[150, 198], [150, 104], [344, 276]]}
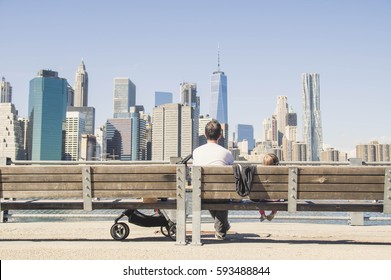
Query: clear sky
{"points": [[265, 46]]}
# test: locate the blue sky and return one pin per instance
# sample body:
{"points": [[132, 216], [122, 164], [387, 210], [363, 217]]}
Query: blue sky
{"points": [[264, 45]]}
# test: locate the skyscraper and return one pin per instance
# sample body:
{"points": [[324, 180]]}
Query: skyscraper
{"points": [[89, 113], [312, 124], [282, 111], [74, 128], [172, 131], [246, 132], [162, 98], [81, 86], [124, 97], [218, 95], [47, 109], [78, 99], [11, 136], [5, 91], [189, 98]]}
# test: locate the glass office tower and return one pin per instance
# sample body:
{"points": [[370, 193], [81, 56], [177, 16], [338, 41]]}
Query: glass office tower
{"points": [[47, 113], [162, 97], [124, 97], [218, 94], [312, 123]]}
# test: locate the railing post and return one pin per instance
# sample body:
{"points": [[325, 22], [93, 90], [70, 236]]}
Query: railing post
{"points": [[292, 189], [387, 192], [196, 206], [3, 214], [87, 192], [181, 204], [356, 218]]}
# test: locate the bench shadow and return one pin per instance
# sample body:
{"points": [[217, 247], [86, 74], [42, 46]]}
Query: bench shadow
{"points": [[254, 238], [209, 239]]}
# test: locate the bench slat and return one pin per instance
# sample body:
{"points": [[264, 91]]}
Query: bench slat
{"points": [[133, 178], [135, 169], [98, 193]]}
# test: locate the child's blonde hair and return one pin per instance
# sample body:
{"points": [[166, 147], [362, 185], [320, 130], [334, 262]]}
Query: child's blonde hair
{"points": [[270, 159]]}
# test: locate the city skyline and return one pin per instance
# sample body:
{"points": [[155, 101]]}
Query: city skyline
{"points": [[265, 47]]}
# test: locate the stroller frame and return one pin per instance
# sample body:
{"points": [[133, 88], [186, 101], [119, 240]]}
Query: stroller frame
{"points": [[120, 230]]}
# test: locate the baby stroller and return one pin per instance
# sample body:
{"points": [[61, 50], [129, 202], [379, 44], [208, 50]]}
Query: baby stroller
{"points": [[120, 230]]}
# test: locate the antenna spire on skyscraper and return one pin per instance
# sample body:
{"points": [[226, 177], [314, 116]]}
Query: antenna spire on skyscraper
{"points": [[218, 57]]}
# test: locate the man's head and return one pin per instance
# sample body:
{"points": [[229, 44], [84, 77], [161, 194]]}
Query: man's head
{"points": [[213, 130]]}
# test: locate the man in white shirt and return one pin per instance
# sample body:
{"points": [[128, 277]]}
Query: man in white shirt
{"points": [[213, 154]]}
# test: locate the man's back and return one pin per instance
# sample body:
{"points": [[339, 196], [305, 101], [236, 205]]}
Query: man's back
{"points": [[212, 154]]}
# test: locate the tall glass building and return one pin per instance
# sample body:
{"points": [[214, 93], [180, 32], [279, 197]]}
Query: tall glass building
{"points": [[312, 123], [246, 132], [162, 97], [218, 95], [47, 114], [124, 97]]}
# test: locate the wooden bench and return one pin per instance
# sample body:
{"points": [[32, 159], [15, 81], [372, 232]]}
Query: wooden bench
{"points": [[96, 187], [305, 188]]}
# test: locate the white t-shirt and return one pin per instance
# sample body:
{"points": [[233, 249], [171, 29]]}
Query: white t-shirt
{"points": [[212, 154]]}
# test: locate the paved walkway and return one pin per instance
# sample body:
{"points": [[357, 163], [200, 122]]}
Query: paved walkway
{"points": [[271, 241]]}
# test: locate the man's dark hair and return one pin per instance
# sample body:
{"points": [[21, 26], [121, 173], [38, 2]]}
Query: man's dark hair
{"points": [[213, 130]]}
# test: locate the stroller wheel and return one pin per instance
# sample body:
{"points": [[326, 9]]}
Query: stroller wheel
{"points": [[119, 231], [172, 232], [164, 230]]}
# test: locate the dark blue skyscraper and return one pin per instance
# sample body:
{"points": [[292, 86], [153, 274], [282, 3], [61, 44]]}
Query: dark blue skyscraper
{"points": [[47, 111], [218, 95], [246, 132]]}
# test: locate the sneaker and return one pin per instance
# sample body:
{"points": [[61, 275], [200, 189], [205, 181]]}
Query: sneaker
{"points": [[270, 216], [219, 236], [263, 217]]}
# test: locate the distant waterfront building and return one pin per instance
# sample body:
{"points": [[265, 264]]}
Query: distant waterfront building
{"points": [[78, 99], [23, 124], [11, 136], [118, 139], [5, 91], [291, 118], [71, 96], [81, 86], [124, 97], [374, 152], [100, 148], [47, 112], [246, 132], [189, 98], [329, 154], [172, 131], [218, 95], [74, 128], [126, 137], [282, 112], [87, 147], [312, 123], [299, 151], [89, 113], [139, 133], [162, 97]]}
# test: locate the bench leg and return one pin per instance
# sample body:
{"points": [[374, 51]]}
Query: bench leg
{"points": [[196, 206], [181, 205]]}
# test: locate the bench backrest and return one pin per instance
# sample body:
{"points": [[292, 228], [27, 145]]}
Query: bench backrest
{"points": [[101, 181], [306, 183]]}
